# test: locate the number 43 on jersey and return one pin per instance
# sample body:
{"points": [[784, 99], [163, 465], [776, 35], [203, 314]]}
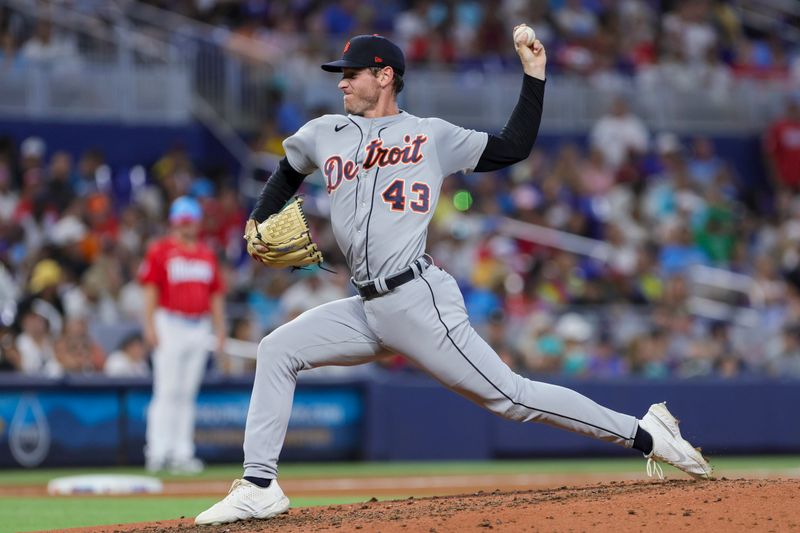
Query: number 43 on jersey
{"points": [[395, 196]]}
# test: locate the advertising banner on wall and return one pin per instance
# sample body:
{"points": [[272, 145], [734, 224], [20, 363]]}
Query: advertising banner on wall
{"points": [[75, 426], [325, 424], [59, 428]]}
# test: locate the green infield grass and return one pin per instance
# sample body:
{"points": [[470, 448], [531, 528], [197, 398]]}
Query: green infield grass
{"points": [[41, 514]]}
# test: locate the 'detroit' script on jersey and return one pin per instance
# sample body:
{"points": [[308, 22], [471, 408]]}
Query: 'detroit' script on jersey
{"points": [[383, 177]]}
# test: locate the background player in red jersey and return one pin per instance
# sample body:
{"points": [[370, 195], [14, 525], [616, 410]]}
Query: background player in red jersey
{"points": [[184, 299], [782, 147]]}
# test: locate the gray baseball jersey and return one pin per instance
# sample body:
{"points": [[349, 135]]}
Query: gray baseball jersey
{"points": [[383, 178]]}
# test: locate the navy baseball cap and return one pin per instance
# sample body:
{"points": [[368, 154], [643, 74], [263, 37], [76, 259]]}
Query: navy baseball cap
{"points": [[364, 51]]}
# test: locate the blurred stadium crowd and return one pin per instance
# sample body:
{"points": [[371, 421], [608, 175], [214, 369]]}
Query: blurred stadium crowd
{"points": [[684, 43], [680, 42], [72, 232], [71, 244]]}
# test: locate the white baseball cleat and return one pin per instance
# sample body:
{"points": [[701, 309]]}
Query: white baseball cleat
{"points": [[244, 501], [669, 446]]}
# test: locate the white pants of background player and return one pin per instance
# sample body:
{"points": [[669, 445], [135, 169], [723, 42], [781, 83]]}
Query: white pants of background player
{"points": [[426, 320], [179, 362]]}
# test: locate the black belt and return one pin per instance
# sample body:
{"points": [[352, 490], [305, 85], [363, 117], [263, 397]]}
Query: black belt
{"points": [[371, 289]]}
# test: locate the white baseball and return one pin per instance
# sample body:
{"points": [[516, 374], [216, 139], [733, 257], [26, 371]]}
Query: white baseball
{"points": [[524, 35]]}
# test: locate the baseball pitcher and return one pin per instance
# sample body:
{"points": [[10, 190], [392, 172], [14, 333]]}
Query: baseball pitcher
{"points": [[384, 169]]}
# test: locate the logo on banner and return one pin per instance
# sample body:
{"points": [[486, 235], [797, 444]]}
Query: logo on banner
{"points": [[29, 432]]}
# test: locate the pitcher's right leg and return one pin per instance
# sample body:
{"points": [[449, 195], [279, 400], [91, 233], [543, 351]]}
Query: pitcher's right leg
{"points": [[332, 334]]}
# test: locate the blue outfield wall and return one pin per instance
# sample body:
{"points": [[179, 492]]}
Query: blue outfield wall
{"points": [[416, 418], [97, 421], [388, 417]]}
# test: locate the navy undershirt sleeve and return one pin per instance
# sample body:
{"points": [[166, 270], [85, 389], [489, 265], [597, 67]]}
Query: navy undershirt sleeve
{"points": [[278, 190], [515, 141]]}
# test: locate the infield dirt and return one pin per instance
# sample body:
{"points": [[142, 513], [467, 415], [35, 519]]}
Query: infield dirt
{"points": [[730, 505]]}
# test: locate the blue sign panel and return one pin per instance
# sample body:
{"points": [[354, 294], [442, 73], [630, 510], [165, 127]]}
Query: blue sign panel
{"points": [[59, 428], [325, 424]]}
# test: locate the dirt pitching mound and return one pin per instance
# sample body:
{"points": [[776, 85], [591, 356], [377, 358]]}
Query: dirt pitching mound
{"points": [[736, 505]]}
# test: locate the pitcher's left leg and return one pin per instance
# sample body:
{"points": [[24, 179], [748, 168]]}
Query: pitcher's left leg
{"points": [[426, 320]]}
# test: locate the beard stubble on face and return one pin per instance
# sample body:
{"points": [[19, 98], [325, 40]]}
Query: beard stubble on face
{"points": [[359, 105], [362, 99]]}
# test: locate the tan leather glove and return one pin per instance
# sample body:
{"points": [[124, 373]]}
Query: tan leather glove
{"points": [[283, 240]]}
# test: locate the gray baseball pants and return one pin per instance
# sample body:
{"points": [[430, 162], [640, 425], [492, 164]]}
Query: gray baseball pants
{"points": [[424, 319]]}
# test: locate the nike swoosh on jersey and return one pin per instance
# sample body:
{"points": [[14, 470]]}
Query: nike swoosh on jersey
{"points": [[337, 128]]}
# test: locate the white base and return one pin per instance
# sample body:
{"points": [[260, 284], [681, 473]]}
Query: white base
{"points": [[105, 484]]}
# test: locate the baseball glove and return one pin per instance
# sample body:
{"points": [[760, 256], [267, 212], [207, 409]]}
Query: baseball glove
{"points": [[283, 240]]}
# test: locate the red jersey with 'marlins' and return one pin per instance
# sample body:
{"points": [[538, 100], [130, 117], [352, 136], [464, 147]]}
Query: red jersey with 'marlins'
{"points": [[186, 276]]}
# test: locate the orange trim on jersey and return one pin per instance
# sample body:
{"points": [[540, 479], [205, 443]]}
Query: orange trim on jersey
{"points": [[423, 197], [336, 170], [410, 153], [402, 196]]}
